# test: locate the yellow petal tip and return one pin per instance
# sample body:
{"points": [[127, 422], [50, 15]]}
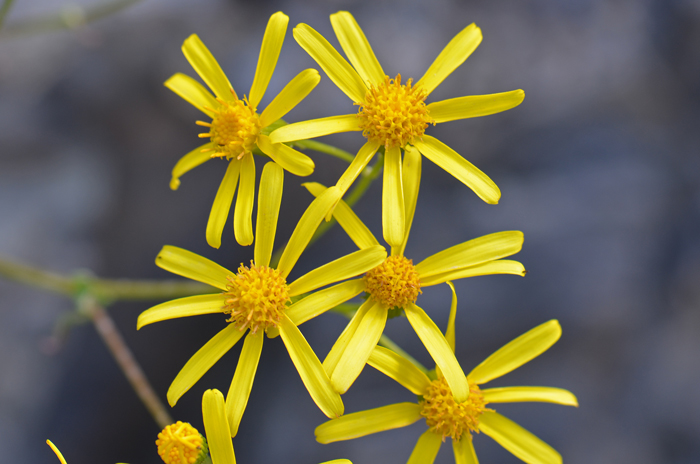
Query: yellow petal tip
{"points": [[174, 183]]}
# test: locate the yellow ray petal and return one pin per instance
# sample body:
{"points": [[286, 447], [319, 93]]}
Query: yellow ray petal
{"points": [[474, 106], [463, 170], [410, 176], [193, 93], [188, 162], [290, 96], [362, 159], [357, 48], [393, 209], [338, 461], [328, 58], [269, 200], [517, 352], [202, 361], [343, 268], [450, 332], [56, 452], [216, 428], [338, 348], [464, 450], [310, 369], [191, 265], [243, 214], [359, 424], [315, 128], [426, 448], [207, 67], [182, 307], [400, 369], [439, 350], [242, 383], [319, 302], [500, 266], [222, 204], [290, 159], [517, 440], [522, 394], [451, 57], [269, 53]]}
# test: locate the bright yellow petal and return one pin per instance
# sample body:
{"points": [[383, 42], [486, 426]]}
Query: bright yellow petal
{"points": [[290, 159], [182, 307], [500, 266], [473, 106], [188, 162], [315, 128], [207, 67], [242, 383], [426, 448], [202, 361], [319, 302], [343, 268], [464, 450], [269, 200], [451, 57], [191, 265], [362, 159], [243, 214], [393, 209], [517, 440], [290, 96], [463, 170], [517, 352], [310, 369], [328, 58], [56, 451], [269, 53], [306, 228], [193, 93], [410, 178], [439, 350], [522, 394], [357, 48], [222, 204], [338, 348], [400, 369], [216, 428], [360, 424], [450, 332], [338, 461]]}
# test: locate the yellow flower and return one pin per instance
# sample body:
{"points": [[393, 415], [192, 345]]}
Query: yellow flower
{"points": [[180, 443], [394, 114], [446, 416], [258, 298], [236, 127], [397, 282]]}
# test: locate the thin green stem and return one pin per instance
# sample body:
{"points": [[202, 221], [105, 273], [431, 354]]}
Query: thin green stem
{"points": [[4, 9], [327, 149]]}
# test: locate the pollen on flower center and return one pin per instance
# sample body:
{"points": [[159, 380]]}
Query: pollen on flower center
{"points": [[180, 443], [448, 418], [393, 114], [256, 297], [394, 283], [234, 129]]}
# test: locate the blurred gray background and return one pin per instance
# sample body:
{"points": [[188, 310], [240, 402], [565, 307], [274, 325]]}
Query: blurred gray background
{"points": [[598, 167]]}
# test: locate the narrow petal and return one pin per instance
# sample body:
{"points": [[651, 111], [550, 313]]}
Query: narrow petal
{"points": [[338, 461], [426, 448], [393, 209], [290, 96], [182, 307], [517, 440], [202, 361], [269, 53], [269, 200], [319, 302], [193, 93], [338, 348], [243, 214], [328, 58], [500, 266], [242, 383], [410, 178], [216, 428], [310, 369], [290, 159], [464, 450], [400, 369], [191, 265], [360, 424], [357, 48], [362, 159], [463, 170], [58, 454], [305, 229], [222, 204], [359, 348], [517, 352], [198, 156], [439, 350], [522, 394], [343, 268], [473, 106], [451, 57], [471, 253], [450, 332], [207, 67], [315, 128]]}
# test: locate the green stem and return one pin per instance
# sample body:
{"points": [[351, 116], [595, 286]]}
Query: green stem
{"points": [[4, 9], [324, 148]]}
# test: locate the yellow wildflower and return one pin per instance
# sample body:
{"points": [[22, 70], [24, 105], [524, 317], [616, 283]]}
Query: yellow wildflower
{"points": [[180, 443]]}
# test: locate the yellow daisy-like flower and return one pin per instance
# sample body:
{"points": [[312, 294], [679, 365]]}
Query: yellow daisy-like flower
{"points": [[397, 282], [446, 416], [258, 299], [236, 127], [393, 113]]}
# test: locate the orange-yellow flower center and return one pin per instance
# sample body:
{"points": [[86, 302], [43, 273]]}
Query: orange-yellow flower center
{"points": [[256, 297], [234, 129], [448, 418], [180, 443], [393, 114], [394, 283]]}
